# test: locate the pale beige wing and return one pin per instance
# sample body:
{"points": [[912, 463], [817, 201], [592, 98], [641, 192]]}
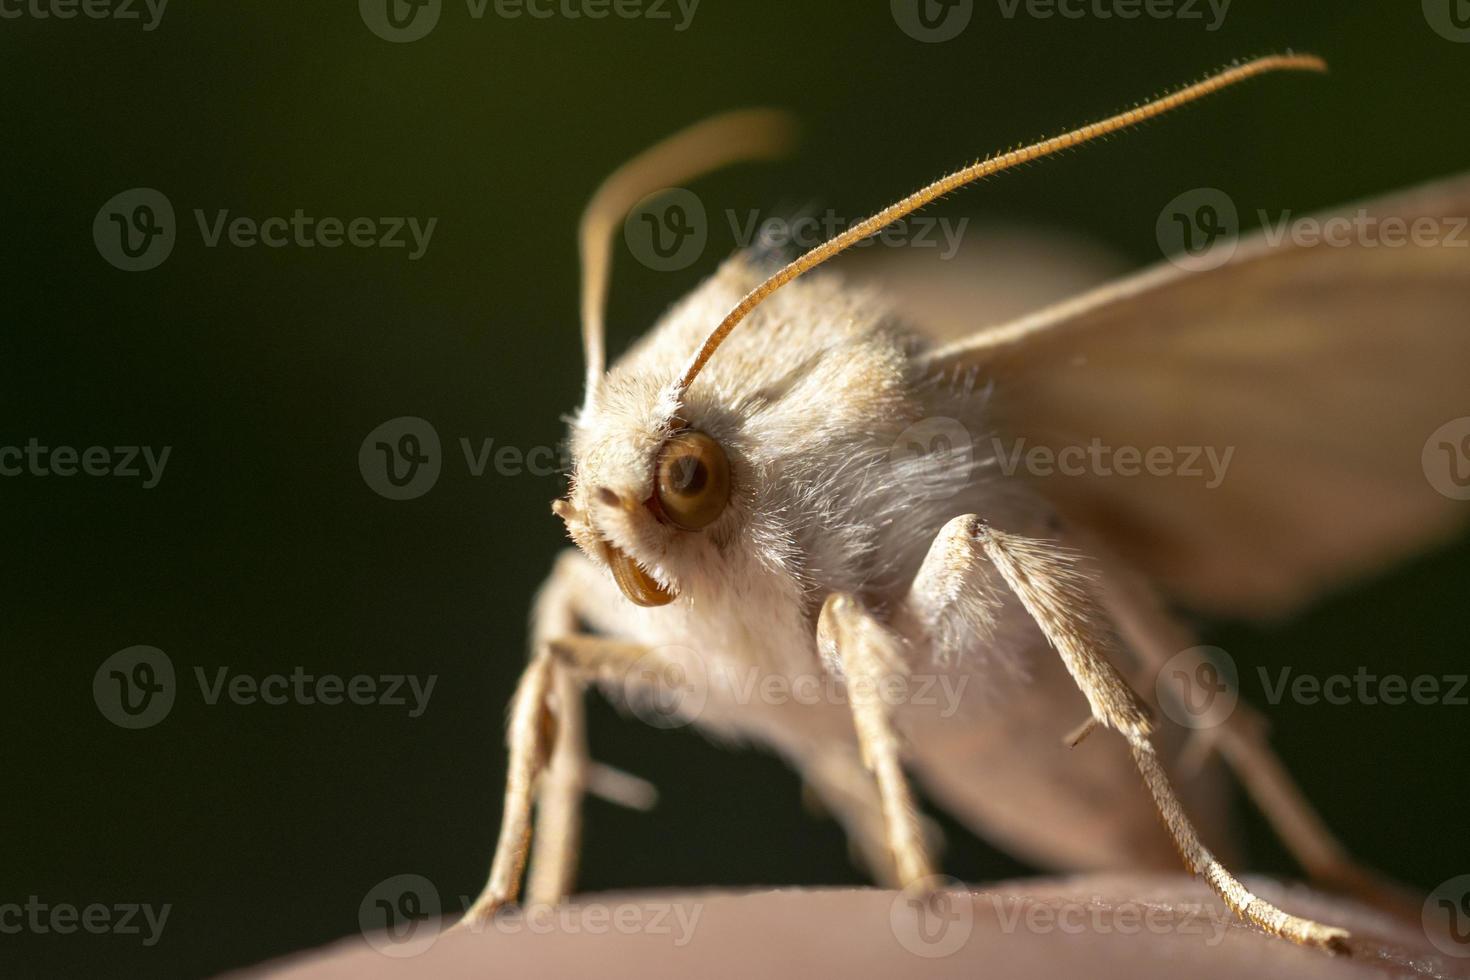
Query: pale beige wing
{"points": [[1323, 370], [960, 278]]}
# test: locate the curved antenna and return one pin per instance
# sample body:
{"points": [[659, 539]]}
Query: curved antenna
{"points": [[977, 171], [745, 134]]}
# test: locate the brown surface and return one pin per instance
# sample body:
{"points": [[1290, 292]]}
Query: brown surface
{"points": [[1095, 926]]}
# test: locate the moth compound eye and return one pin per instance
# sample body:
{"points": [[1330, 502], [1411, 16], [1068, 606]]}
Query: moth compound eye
{"points": [[693, 480]]}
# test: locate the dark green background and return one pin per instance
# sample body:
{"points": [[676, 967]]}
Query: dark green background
{"points": [[263, 549]]}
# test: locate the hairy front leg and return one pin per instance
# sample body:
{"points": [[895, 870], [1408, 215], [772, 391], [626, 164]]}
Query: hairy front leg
{"points": [[1052, 584], [549, 771], [867, 655]]}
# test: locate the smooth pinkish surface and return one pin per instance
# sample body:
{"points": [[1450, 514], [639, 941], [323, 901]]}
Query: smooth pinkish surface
{"points": [[1098, 926]]}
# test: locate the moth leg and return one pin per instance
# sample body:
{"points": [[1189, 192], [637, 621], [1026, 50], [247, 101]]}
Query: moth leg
{"points": [[548, 769], [839, 784], [571, 774], [557, 841], [1241, 739], [1051, 584], [867, 655], [529, 736]]}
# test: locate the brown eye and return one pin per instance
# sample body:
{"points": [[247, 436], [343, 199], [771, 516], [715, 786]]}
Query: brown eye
{"points": [[693, 480]]}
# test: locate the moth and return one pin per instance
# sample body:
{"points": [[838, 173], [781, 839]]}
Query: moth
{"points": [[737, 505]]}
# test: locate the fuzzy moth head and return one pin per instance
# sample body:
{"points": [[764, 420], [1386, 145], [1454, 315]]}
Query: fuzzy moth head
{"points": [[641, 494], [651, 475]]}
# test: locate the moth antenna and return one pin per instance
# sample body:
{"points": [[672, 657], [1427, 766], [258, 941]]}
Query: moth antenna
{"points": [[745, 134], [985, 168]]}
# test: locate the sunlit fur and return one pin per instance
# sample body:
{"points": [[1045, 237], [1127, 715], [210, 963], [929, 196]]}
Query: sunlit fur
{"points": [[808, 402]]}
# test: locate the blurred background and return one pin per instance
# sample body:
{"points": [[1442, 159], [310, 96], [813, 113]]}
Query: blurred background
{"points": [[262, 547]]}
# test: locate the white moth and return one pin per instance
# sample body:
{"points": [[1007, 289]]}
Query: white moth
{"points": [[738, 507]]}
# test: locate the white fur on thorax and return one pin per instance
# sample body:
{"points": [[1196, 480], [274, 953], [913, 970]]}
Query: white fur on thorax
{"points": [[807, 397]]}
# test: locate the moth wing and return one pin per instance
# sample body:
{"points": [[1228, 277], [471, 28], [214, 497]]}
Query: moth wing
{"points": [[1322, 370], [990, 275], [1008, 774]]}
